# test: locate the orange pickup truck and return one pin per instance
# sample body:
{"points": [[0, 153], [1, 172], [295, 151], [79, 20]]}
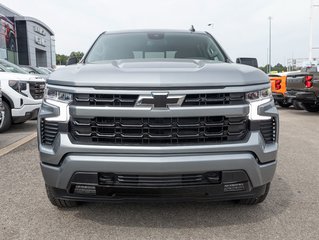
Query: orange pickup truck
{"points": [[279, 89]]}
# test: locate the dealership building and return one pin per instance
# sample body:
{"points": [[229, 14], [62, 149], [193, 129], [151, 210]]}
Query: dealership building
{"points": [[25, 40]]}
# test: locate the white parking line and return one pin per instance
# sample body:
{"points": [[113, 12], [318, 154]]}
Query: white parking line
{"points": [[16, 144]]}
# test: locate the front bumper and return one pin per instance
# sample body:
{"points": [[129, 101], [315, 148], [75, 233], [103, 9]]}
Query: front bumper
{"points": [[25, 113], [258, 175]]}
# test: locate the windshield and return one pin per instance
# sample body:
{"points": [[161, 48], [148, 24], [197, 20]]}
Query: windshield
{"points": [[29, 70], [155, 45], [10, 67]]}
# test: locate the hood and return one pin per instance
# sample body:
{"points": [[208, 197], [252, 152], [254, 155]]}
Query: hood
{"points": [[158, 74], [21, 77]]}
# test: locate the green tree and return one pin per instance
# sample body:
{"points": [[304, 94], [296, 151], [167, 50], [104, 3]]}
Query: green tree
{"points": [[78, 55], [279, 68], [61, 59]]}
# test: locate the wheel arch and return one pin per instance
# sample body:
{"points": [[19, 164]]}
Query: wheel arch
{"points": [[6, 99]]}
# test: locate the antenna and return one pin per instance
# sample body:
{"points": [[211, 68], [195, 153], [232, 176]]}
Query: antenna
{"points": [[192, 29]]}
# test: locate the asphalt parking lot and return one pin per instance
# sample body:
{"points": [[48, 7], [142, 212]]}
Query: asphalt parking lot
{"points": [[17, 132], [290, 211]]}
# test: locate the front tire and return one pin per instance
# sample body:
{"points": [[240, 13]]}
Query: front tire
{"points": [[311, 107], [7, 119], [254, 201], [58, 202]]}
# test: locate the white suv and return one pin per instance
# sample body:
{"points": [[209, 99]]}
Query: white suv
{"points": [[1, 108], [21, 97]]}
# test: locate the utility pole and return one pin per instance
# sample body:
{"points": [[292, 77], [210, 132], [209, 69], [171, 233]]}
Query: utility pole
{"points": [[313, 5], [269, 59]]}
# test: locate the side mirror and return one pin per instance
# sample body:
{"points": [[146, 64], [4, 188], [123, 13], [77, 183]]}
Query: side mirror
{"points": [[248, 61], [72, 61]]}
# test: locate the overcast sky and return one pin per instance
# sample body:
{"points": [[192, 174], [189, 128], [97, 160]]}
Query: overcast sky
{"points": [[241, 26]]}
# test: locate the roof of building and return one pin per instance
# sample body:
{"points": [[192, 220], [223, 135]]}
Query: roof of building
{"points": [[31, 19], [19, 17]]}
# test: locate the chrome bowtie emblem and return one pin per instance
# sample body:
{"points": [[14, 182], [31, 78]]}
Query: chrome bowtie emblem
{"points": [[160, 100]]}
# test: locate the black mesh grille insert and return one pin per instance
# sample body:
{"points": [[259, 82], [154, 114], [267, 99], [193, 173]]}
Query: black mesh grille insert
{"points": [[114, 180], [49, 131], [268, 130], [214, 99], [158, 131], [110, 100], [115, 100], [37, 89]]}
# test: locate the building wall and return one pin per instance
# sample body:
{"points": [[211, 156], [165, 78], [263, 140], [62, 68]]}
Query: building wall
{"points": [[35, 41], [39, 43], [22, 42]]}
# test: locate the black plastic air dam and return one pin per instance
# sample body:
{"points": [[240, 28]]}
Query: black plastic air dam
{"points": [[229, 185], [198, 193]]}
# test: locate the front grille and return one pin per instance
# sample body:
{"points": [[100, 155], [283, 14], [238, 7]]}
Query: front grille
{"points": [[37, 89], [49, 131], [109, 100], [214, 99], [268, 130], [158, 131], [116, 100], [115, 180]]}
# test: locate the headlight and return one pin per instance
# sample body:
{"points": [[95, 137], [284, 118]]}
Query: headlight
{"points": [[259, 95], [256, 99], [51, 94], [18, 86], [61, 100]]}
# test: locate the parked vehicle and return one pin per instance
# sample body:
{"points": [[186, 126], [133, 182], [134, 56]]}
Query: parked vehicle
{"points": [[46, 70], [278, 88], [157, 114], [21, 97], [303, 87], [34, 70], [1, 108], [6, 66]]}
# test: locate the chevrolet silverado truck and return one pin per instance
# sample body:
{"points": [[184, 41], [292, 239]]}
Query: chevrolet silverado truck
{"points": [[157, 116], [303, 87], [21, 95]]}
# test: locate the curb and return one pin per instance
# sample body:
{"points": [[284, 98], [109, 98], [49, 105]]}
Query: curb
{"points": [[17, 144]]}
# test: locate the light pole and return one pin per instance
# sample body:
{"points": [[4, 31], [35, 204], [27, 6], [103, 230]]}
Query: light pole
{"points": [[269, 59], [314, 4]]}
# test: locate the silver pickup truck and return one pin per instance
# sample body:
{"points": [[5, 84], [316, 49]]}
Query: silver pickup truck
{"points": [[303, 87], [157, 115]]}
